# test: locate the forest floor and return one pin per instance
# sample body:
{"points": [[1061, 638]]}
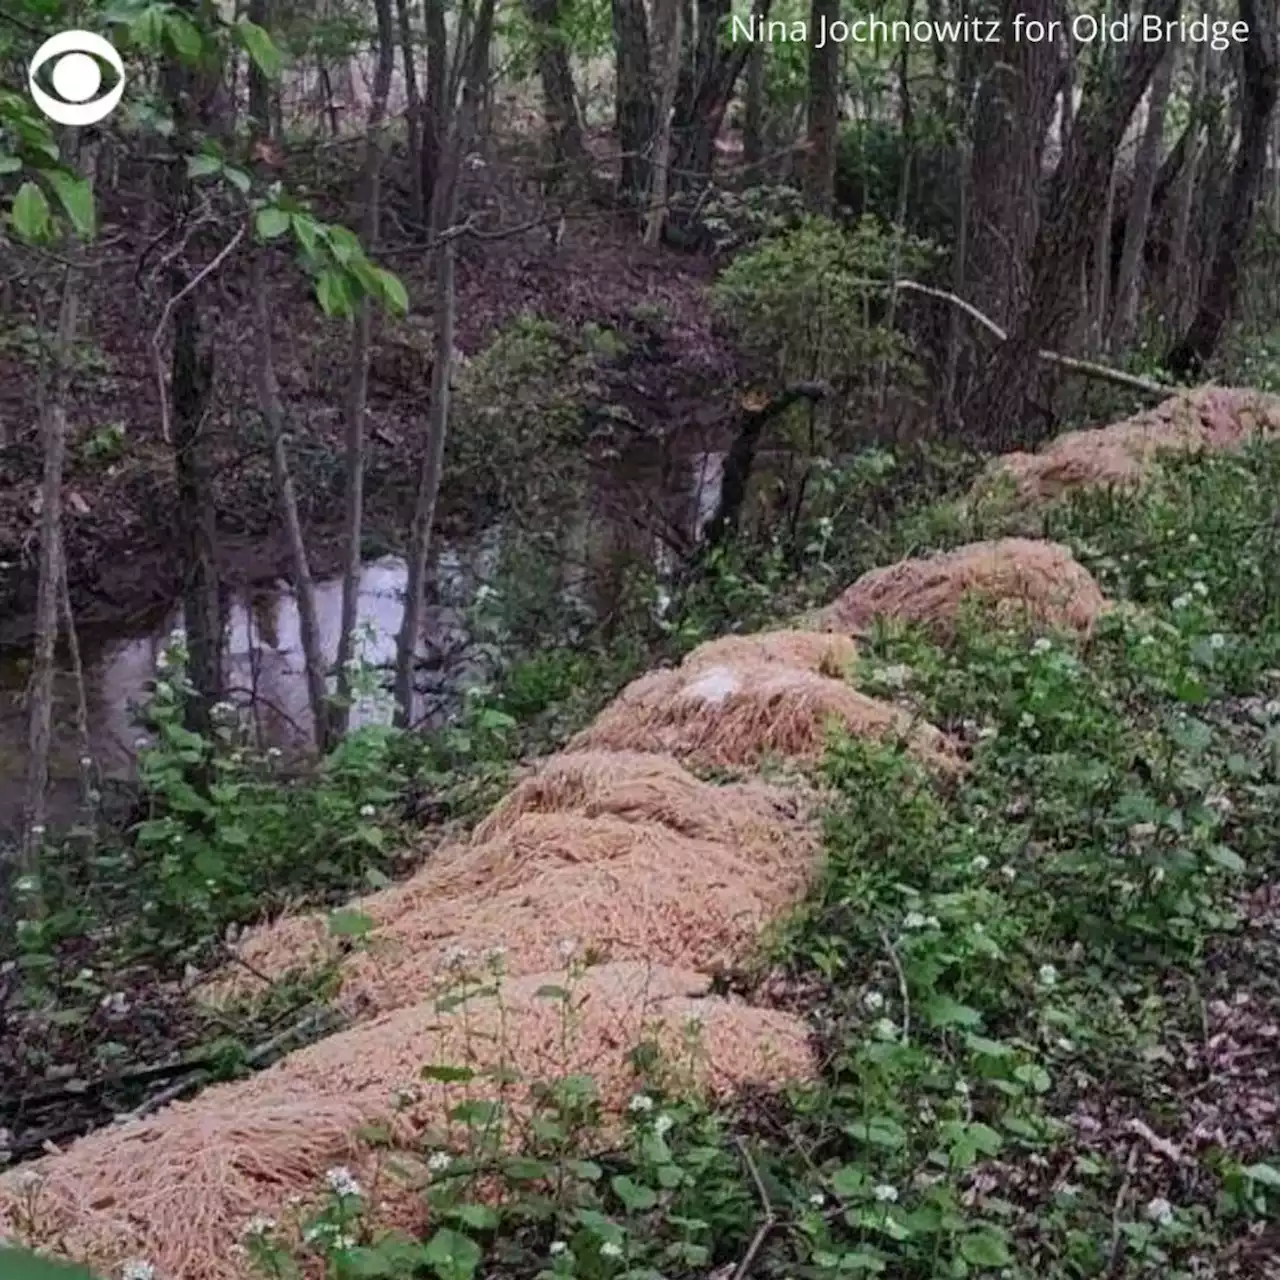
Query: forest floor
{"points": [[674, 374]]}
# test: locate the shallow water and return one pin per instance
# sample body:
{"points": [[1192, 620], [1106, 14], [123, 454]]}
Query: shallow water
{"points": [[263, 655]]}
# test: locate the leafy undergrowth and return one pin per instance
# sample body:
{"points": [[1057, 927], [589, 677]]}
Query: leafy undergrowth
{"points": [[1047, 996]]}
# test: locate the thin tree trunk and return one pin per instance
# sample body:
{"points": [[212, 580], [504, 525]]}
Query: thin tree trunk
{"points": [[444, 206], [1100, 299], [559, 97], [358, 388], [1129, 283], [666, 32], [753, 121], [268, 392], [413, 96], [90, 782], [1261, 82], [435, 116], [634, 104], [823, 111]]}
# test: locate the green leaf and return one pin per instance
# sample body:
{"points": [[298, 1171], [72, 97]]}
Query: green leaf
{"points": [[10, 164], [184, 36], [394, 294], [1227, 858], [307, 231], [447, 1075], [451, 1255], [479, 1217], [984, 1249], [344, 244], [349, 924], [18, 1264], [203, 165], [238, 179], [258, 45], [1266, 1174], [943, 1011], [880, 1131], [272, 222], [331, 291], [30, 213], [636, 1198]]}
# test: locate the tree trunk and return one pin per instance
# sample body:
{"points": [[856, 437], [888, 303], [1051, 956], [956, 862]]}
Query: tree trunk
{"points": [[706, 89], [634, 105], [1129, 282], [444, 205], [358, 387], [666, 31], [1062, 244], [1019, 83], [753, 117], [268, 391], [1261, 79], [560, 98], [823, 110], [53, 430], [435, 116], [413, 103]]}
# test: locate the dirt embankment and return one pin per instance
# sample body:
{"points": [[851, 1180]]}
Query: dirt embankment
{"points": [[119, 498]]}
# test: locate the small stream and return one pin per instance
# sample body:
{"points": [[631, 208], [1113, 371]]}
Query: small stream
{"points": [[263, 656]]}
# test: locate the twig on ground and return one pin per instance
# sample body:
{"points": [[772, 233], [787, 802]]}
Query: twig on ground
{"points": [[1155, 1141], [769, 1221]]}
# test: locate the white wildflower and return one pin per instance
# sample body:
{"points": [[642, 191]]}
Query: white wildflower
{"points": [[1048, 975], [341, 1181], [873, 1001], [886, 1029], [817, 1199], [258, 1226], [177, 636], [1217, 640], [566, 948], [273, 753], [344, 1242], [1009, 871], [86, 762], [610, 1250], [962, 1088], [85, 975], [1160, 1211], [1199, 588], [1142, 830], [1043, 645], [885, 1193], [1026, 720], [1181, 602], [663, 1125], [1147, 640], [980, 863], [557, 1247], [456, 957], [137, 1269], [367, 811], [641, 1102], [913, 920], [932, 922], [1193, 540], [439, 1161]]}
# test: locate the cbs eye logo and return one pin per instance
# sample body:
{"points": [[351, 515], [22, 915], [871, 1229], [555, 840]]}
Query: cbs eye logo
{"points": [[76, 75]]}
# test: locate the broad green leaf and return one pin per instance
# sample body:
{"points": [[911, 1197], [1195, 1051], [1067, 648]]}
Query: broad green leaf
{"points": [[307, 232], [448, 1075], [18, 1264], [202, 165], [258, 45], [272, 222], [984, 1249], [451, 1255], [238, 179], [1266, 1174], [331, 290], [479, 1217], [30, 213], [349, 924], [10, 164], [635, 1197], [394, 293], [344, 244], [77, 197], [184, 36], [1227, 858], [943, 1011]]}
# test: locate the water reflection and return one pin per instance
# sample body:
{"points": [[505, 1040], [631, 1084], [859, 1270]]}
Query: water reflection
{"points": [[629, 518]]}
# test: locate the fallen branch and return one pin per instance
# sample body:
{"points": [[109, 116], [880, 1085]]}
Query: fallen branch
{"points": [[770, 1218], [902, 986], [1086, 368]]}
